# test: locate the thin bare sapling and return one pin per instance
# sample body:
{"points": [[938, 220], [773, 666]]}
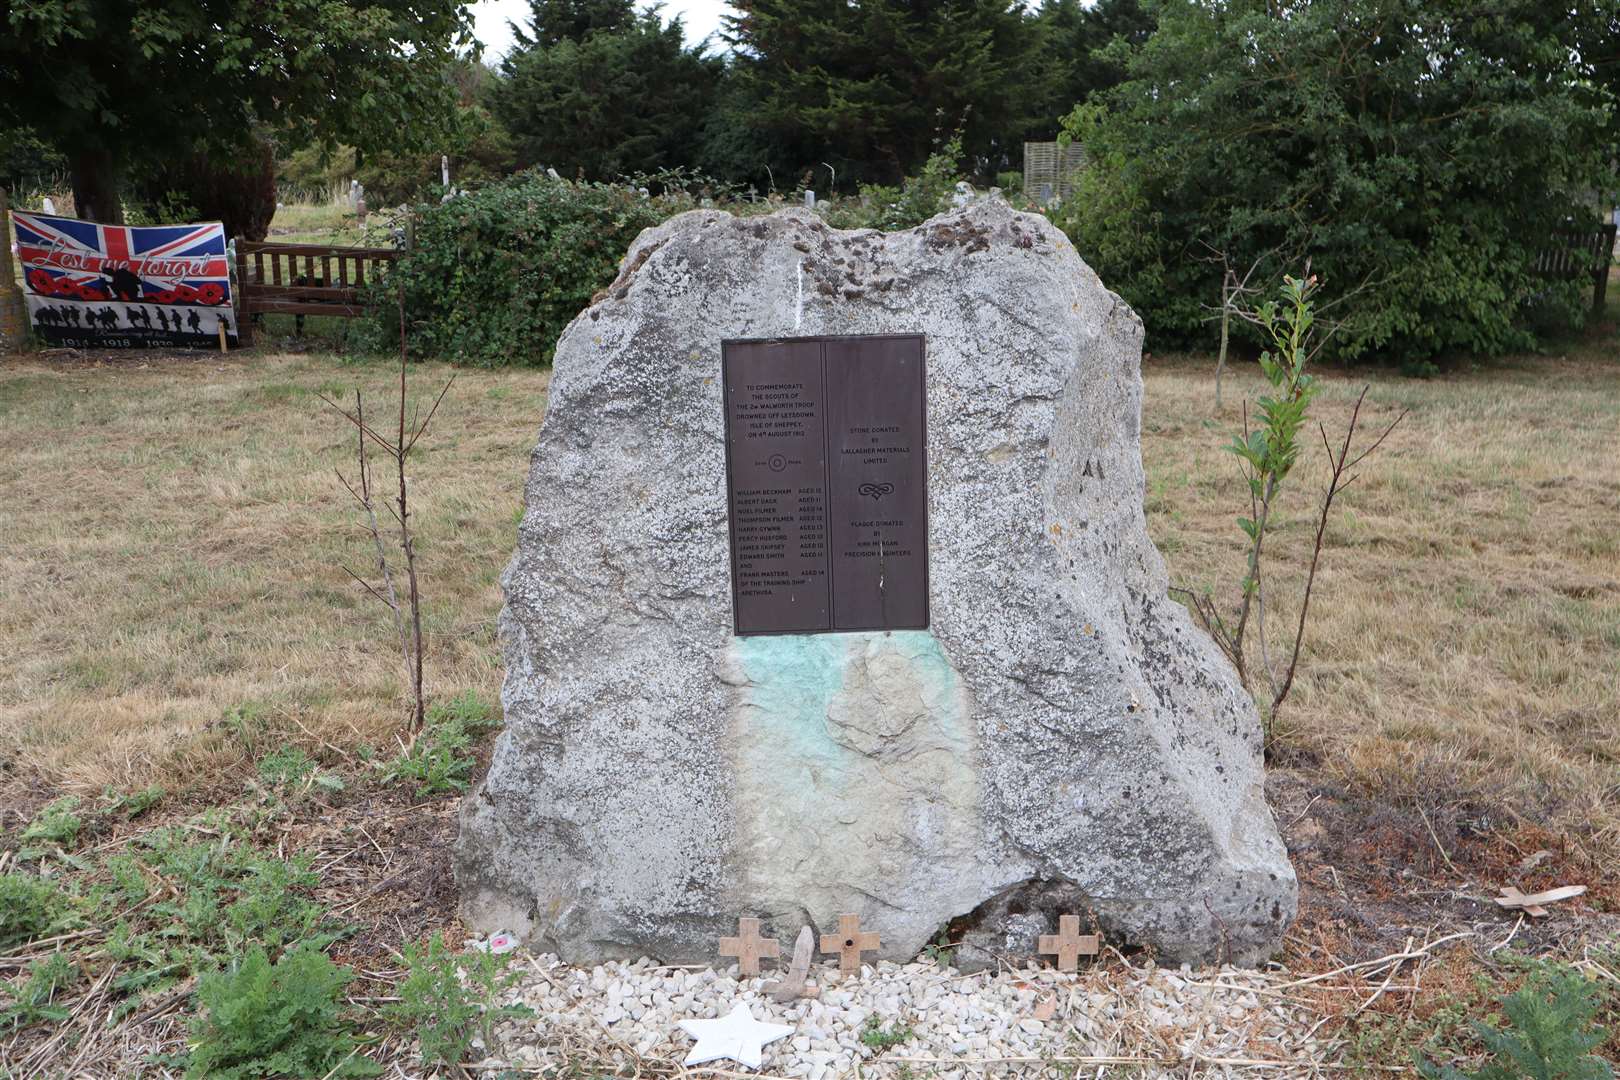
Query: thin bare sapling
{"points": [[396, 448]]}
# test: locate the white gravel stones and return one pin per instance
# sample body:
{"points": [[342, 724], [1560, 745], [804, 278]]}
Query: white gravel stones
{"points": [[931, 1019]]}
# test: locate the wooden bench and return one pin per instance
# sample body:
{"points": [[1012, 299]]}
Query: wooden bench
{"points": [[303, 279]]}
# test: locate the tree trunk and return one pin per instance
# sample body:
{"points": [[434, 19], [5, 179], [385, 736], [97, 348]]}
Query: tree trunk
{"points": [[1226, 321], [95, 188]]}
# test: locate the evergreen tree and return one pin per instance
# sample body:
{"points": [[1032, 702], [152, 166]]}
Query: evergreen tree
{"points": [[619, 99], [869, 86], [555, 21], [1078, 50]]}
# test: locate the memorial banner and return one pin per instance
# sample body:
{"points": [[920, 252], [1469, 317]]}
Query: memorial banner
{"points": [[125, 286]]}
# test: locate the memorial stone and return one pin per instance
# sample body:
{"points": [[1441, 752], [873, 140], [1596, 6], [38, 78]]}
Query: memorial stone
{"points": [[834, 595]]}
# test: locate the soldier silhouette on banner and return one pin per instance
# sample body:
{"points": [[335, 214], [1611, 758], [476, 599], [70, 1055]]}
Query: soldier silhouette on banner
{"points": [[122, 284]]}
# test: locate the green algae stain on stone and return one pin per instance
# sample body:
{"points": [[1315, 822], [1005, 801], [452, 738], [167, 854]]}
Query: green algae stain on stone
{"points": [[791, 679], [854, 762]]}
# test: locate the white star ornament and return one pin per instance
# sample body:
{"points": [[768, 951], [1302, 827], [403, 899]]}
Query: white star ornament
{"points": [[737, 1035]]}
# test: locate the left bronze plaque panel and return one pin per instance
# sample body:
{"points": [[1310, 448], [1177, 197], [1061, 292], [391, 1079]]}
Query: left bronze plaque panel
{"points": [[776, 446]]}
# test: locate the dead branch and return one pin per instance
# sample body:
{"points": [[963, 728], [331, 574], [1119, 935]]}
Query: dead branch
{"points": [[1340, 464]]}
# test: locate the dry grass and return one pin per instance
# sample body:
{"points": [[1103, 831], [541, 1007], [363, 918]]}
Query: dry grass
{"points": [[172, 542], [1462, 651], [172, 548]]}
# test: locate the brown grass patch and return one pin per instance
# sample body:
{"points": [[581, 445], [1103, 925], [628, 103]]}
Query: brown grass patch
{"points": [[1461, 655], [173, 543]]}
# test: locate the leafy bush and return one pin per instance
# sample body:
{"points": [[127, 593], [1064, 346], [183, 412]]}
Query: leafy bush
{"points": [[438, 762], [1550, 1034], [284, 1019], [917, 199], [496, 274], [449, 1000]]}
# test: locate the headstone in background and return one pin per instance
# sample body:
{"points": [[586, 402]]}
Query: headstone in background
{"points": [[13, 311], [1049, 734]]}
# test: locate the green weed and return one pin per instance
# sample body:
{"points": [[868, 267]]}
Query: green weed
{"points": [[940, 950], [438, 761], [32, 908], [246, 722], [449, 1000], [881, 1038], [35, 1000], [283, 1019], [285, 766], [57, 825], [136, 803]]}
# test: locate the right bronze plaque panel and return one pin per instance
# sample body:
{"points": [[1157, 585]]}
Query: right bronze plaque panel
{"points": [[877, 483], [827, 483]]}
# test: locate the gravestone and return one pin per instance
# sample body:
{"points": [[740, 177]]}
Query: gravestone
{"points": [[728, 692]]}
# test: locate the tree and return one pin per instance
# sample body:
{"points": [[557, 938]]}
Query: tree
{"points": [[1422, 154], [26, 160], [1080, 57], [479, 147], [554, 21], [623, 98], [116, 86], [867, 86]]}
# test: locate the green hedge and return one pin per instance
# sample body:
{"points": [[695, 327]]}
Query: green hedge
{"points": [[495, 275]]}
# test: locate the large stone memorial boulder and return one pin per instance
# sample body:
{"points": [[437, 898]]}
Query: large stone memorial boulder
{"points": [[1059, 739]]}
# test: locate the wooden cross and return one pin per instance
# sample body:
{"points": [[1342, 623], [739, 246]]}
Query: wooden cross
{"points": [[849, 943], [748, 947], [1069, 944]]}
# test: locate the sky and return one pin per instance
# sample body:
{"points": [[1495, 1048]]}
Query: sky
{"points": [[702, 17]]}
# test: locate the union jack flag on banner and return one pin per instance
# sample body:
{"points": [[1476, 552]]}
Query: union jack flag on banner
{"points": [[123, 285]]}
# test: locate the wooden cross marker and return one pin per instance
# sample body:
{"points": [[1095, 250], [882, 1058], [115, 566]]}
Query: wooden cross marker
{"points": [[748, 947], [849, 942], [1069, 944]]}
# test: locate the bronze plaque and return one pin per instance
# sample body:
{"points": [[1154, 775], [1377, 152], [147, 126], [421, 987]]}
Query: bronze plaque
{"points": [[827, 482]]}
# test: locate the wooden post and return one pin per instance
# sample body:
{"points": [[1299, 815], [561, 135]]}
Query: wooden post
{"points": [[1600, 296], [13, 308]]}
